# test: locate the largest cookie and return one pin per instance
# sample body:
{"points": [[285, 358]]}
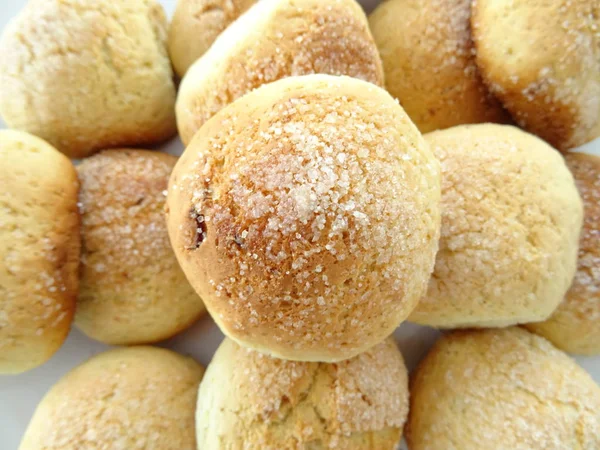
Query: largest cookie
{"points": [[87, 75], [39, 250], [272, 40], [541, 58], [306, 215]]}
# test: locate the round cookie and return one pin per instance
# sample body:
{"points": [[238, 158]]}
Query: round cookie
{"points": [[252, 401], [132, 290], [138, 397], [39, 250], [306, 215], [575, 325], [541, 58], [501, 389], [511, 217], [429, 63], [87, 75], [272, 40], [195, 26]]}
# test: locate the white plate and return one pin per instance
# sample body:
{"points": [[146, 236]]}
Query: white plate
{"points": [[19, 395]]}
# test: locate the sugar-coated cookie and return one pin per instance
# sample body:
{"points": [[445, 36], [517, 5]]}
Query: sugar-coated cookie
{"points": [[306, 215]]}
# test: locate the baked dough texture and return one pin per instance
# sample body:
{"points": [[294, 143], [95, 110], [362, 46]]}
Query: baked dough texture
{"points": [[429, 63], [250, 401], [127, 398], [511, 218], [132, 289], [541, 58], [272, 40], [88, 74], [195, 26], [39, 250], [306, 215], [504, 389], [575, 325]]}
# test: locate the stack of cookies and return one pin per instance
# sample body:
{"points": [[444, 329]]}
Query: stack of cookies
{"points": [[309, 215]]}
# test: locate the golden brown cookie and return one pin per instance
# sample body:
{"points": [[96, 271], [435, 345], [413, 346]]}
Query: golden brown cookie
{"points": [[429, 62], [541, 58], [501, 389], [88, 74], [252, 401], [195, 26], [511, 217], [39, 250], [575, 325], [128, 398], [306, 215], [132, 289], [275, 39]]}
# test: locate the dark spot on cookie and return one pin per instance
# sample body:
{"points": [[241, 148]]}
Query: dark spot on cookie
{"points": [[200, 230], [238, 240], [198, 226]]}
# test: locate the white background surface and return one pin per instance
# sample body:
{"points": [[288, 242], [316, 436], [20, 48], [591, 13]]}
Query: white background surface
{"points": [[19, 395]]}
